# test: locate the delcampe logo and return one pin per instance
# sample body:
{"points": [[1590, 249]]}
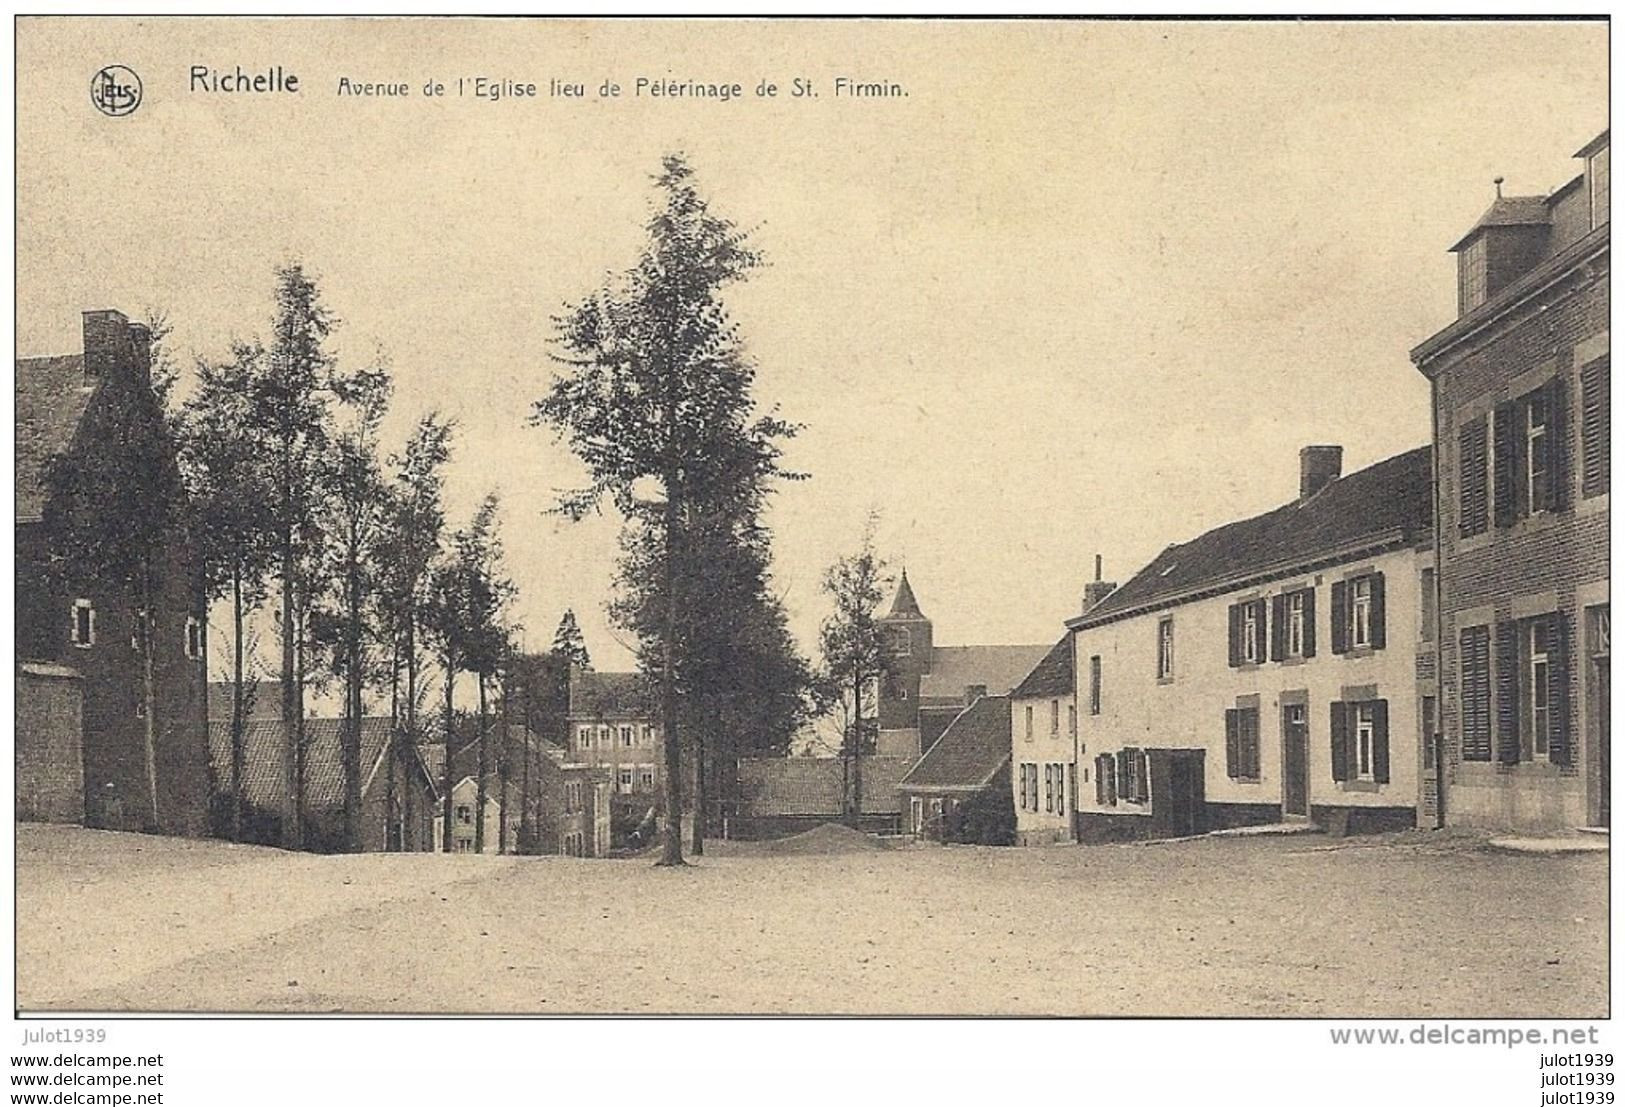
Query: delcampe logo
{"points": [[115, 90]]}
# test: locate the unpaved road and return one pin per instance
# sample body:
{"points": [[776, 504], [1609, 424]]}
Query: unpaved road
{"points": [[1265, 926]]}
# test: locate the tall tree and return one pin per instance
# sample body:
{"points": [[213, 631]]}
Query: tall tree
{"points": [[293, 401], [109, 513], [658, 388], [410, 546], [569, 644], [229, 484], [854, 652]]}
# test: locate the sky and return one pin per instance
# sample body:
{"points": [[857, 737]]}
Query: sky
{"points": [[1087, 288]]}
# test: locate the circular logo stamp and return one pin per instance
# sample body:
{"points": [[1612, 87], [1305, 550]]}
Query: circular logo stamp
{"points": [[115, 90]]}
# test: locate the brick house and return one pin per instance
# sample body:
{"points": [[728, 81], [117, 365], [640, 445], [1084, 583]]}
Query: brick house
{"points": [[404, 825], [567, 801], [1044, 748], [1520, 394], [960, 790], [70, 620], [930, 684], [1274, 668], [612, 726]]}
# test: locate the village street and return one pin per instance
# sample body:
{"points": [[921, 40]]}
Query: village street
{"points": [[1415, 924]]}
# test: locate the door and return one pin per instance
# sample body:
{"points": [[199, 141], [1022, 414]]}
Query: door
{"points": [[1295, 760], [1185, 793]]}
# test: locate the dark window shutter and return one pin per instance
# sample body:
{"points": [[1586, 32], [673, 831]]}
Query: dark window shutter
{"points": [[1125, 790], [1472, 465], [1340, 741], [1508, 739], [1559, 744], [1379, 612], [1143, 777], [1278, 628], [1232, 743], [1235, 635], [1475, 694], [1379, 741], [1507, 440], [1594, 423], [1559, 468], [1100, 780], [1340, 616], [1261, 623], [1249, 730], [1308, 622]]}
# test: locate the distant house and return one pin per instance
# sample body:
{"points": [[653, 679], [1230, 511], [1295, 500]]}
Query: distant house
{"points": [[960, 790], [81, 712], [544, 802], [1044, 748], [779, 796], [1520, 395], [403, 821], [612, 726], [1279, 667], [931, 684]]}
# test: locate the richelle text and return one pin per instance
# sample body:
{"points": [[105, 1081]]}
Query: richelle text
{"points": [[272, 78]]}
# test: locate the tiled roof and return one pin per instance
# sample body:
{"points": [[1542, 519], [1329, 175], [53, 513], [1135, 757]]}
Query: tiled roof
{"points": [[1391, 496], [973, 748], [598, 695], [1511, 211], [812, 785], [263, 751], [1053, 676], [52, 397], [1000, 668]]}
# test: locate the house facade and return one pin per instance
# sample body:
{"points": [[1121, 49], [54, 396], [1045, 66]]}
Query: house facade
{"points": [[929, 685], [1520, 394], [1275, 668], [959, 791], [612, 727], [82, 630], [1044, 749]]}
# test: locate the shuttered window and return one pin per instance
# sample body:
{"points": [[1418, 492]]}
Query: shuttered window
{"points": [[1360, 741], [1360, 613], [1241, 753], [1475, 694], [1594, 427], [1473, 475], [1249, 623], [1531, 460]]}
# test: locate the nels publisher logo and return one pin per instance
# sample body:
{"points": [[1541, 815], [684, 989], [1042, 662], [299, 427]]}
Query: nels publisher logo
{"points": [[115, 90]]}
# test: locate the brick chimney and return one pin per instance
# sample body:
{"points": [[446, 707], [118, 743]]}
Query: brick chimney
{"points": [[974, 692], [1318, 466], [114, 344], [1097, 589]]}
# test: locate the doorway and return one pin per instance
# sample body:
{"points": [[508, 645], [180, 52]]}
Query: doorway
{"points": [[1178, 793], [1295, 761]]}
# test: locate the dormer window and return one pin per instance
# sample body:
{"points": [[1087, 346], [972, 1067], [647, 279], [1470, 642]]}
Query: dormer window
{"points": [[1473, 274], [83, 628], [1597, 185]]}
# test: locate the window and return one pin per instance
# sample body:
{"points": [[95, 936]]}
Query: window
{"points": [[1165, 648], [1359, 613], [1531, 690], [1241, 754], [1475, 693], [1072, 719], [83, 627], [1473, 478], [1027, 785], [584, 738], [465, 845], [1054, 718], [1472, 275], [603, 738], [646, 777], [1049, 788], [1530, 455], [898, 642], [1106, 780], [1594, 421], [1360, 741], [648, 735], [1027, 714], [1248, 624], [465, 814], [1060, 788], [194, 639], [1597, 186], [1292, 625], [1094, 685], [625, 778], [626, 736], [1430, 604], [138, 627], [1133, 775]]}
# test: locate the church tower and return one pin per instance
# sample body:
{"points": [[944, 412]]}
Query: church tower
{"points": [[907, 633]]}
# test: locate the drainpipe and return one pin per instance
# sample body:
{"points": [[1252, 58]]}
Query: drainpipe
{"points": [[1440, 767]]}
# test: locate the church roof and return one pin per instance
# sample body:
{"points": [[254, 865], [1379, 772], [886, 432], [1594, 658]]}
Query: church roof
{"points": [[905, 603], [998, 668]]}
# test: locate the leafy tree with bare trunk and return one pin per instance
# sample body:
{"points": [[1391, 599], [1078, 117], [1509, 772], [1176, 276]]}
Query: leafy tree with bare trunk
{"points": [[855, 655], [657, 389]]}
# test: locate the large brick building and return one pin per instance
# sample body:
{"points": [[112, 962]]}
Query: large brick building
{"points": [[1521, 433], [85, 627]]}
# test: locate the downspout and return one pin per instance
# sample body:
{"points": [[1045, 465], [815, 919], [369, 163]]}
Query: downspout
{"points": [[1436, 737]]}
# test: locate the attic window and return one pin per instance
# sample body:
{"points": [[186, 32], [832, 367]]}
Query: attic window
{"points": [[1473, 275], [83, 629]]}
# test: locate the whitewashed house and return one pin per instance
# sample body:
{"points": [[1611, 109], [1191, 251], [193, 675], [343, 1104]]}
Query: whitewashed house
{"points": [[1280, 667], [1044, 748]]}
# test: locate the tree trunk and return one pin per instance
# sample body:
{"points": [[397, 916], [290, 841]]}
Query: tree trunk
{"points": [[503, 745], [203, 664], [299, 749], [149, 690], [237, 703], [527, 820], [857, 745], [290, 705], [353, 708], [672, 844], [479, 780], [696, 841], [445, 772], [392, 754]]}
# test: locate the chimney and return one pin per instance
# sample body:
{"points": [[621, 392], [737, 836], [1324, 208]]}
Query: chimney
{"points": [[1318, 466], [1097, 589], [974, 692], [113, 343]]}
